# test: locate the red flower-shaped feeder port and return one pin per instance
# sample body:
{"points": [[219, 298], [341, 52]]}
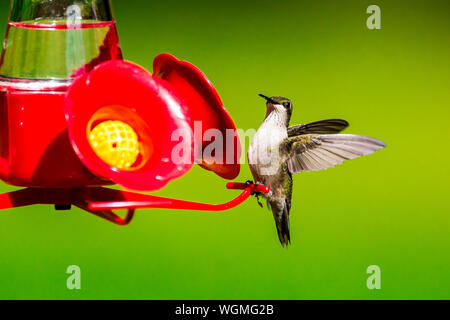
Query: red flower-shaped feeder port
{"points": [[140, 131], [121, 91], [206, 109]]}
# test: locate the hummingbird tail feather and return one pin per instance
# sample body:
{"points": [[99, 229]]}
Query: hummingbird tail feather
{"points": [[282, 223]]}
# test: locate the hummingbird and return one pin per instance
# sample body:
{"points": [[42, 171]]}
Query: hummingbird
{"points": [[278, 151]]}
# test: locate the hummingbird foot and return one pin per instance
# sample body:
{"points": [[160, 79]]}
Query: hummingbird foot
{"points": [[257, 199], [255, 193]]}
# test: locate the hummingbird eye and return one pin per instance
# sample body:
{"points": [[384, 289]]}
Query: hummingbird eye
{"points": [[286, 105]]}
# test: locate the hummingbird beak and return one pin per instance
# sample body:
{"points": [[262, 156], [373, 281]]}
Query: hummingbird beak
{"points": [[267, 98]]}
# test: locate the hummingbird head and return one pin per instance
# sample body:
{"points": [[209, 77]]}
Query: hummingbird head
{"points": [[281, 106]]}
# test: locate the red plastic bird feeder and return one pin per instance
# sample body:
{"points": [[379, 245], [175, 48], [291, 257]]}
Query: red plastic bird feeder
{"points": [[67, 133]]}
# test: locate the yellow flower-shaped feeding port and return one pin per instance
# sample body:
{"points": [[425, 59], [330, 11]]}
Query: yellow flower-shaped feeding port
{"points": [[116, 143]]}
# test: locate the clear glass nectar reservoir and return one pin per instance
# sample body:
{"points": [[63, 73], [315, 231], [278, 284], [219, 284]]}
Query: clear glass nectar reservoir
{"points": [[48, 44], [57, 39]]}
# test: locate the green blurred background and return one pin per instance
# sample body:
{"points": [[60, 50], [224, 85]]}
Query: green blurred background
{"points": [[389, 209]]}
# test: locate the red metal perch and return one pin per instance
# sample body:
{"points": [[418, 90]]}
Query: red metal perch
{"points": [[102, 201]]}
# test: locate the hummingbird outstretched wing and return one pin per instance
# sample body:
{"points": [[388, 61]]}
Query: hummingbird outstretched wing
{"points": [[319, 127], [314, 152]]}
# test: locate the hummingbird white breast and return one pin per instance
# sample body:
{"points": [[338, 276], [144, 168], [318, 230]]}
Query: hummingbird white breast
{"points": [[263, 153]]}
